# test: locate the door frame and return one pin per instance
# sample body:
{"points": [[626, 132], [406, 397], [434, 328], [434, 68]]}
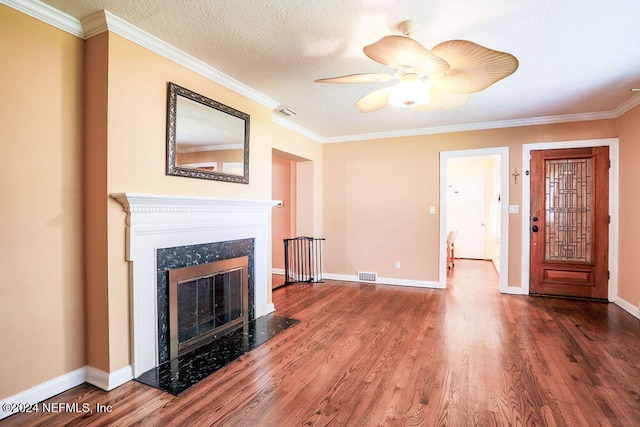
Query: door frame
{"points": [[503, 152], [612, 143]]}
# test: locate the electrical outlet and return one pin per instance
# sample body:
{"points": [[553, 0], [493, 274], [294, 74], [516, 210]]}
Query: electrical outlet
{"points": [[432, 210], [397, 265]]}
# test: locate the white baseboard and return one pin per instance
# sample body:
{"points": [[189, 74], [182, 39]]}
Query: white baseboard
{"points": [[271, 308], [279, 271], [46, 390], [108, 380], [385, 281], [86, 374], [515, 290], [628, 307]]}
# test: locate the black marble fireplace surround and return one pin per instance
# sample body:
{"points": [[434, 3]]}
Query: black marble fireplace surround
{"points": [[186, 256], [176, 376]]}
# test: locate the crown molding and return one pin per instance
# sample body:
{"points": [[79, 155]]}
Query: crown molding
{"points": [[628, 105], [277, 119], [533, 121], [95, 24], [48, 14], [106, 21]]}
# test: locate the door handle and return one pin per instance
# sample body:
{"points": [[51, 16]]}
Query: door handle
{"points": [[534, 228]]}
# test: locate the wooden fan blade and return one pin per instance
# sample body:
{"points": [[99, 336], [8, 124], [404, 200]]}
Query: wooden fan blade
{"points": [[374, 101], [358, 78], [405, 54], [473, 67], [442, 100]]}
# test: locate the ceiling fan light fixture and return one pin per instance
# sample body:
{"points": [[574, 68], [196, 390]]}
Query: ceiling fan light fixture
{"points": [[410, 93], [438, 79]]}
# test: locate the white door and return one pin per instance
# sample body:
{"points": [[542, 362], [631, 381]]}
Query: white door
{"points": [[470, 242]]}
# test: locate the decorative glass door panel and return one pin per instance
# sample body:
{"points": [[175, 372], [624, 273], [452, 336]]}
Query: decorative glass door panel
{"points": [[568, 212]]}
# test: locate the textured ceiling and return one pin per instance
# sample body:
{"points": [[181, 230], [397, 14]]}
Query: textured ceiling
{"points": [[578, 58]]}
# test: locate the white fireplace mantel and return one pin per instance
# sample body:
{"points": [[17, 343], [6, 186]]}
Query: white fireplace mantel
{"points": [[162, 221]]}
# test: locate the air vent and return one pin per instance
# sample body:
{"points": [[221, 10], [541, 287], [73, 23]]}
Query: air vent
{"points": [[287, 112], [364, 276]]}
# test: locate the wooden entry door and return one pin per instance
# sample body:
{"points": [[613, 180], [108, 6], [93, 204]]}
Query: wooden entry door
{"points": [[569, 222]]}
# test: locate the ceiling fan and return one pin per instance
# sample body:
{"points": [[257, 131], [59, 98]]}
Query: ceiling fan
{"points": [[437, 79]]}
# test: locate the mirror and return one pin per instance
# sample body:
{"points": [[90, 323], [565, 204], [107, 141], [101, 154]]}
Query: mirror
{"points": [[206, 139]]}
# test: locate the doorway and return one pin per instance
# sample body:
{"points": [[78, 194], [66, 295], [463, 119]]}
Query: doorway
{"points": [[477, 178], [569, 230], [527, 217], [292, 182], [283, 216]]}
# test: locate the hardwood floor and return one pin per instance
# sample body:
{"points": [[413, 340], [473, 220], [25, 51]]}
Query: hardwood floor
{"points": [[367, 355]]}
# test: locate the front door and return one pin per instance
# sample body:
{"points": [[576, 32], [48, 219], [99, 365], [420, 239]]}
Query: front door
{"points": [[569, 222]]}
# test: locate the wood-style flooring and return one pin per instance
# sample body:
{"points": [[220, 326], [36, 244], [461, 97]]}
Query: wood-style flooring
{"points": [[368, 355]]}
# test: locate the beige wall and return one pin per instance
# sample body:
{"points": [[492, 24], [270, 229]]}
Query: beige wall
{"points": [[629, 206], [377, 194], [94, 201], [41, 289]]}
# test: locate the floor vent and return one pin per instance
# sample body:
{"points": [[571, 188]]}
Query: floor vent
{"points": [[367, 277]]}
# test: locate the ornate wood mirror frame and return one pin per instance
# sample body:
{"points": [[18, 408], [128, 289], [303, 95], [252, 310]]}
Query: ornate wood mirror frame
{"points": [[206, 139]]}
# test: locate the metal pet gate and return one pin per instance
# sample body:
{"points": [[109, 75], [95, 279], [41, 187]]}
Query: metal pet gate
{"points": [[303, 260]]}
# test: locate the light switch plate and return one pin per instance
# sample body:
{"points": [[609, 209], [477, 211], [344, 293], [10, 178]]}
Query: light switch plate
{"points": [[432, 210]]}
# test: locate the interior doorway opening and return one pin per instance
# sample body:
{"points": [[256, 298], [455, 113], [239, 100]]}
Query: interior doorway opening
{"points": [[474, 204], [292, 183]]}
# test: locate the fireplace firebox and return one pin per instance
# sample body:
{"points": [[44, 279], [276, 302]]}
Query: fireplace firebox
{"points": [[205, 301]]}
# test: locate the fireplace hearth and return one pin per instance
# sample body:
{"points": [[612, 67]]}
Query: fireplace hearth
{"points": [[177, 375]]}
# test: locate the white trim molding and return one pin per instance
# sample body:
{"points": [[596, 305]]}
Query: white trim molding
{"points": [[384, 281], [628, 307], [104, 20], [109, 380], [87, 374], [45, 390], [48, 14]]}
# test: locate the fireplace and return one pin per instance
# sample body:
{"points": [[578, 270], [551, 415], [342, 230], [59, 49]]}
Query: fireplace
{"points": [[167, 232], [198, 261], [205, 301]]}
